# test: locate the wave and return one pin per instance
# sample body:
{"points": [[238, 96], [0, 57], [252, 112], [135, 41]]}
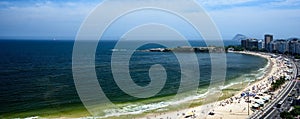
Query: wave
{"points": [[141, 108], [118, 50], [229, 85], [250, 77], [134, 109]]}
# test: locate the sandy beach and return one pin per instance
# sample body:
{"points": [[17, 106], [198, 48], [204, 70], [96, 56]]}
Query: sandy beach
{"points": [[237, 106]]}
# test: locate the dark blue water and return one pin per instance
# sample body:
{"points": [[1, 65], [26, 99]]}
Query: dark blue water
{"points": [[38, 74]]}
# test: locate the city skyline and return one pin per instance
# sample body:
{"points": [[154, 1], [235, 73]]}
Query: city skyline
{"points": [[62, 19]]}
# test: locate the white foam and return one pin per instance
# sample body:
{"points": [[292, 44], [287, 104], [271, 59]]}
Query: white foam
{"points": [[33, 117], [229, 85], [138, 109], [119, 50]]}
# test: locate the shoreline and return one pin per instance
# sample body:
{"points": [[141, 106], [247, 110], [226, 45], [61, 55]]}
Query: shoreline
{"points": [[227, 93], [232, 89], [269, 66]]}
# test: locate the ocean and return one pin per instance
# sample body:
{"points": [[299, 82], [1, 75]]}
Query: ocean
{"points": [[37, 75]]}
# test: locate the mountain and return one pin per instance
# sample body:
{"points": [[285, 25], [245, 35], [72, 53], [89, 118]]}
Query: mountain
{"points": [[239, 37], [293, 38]]}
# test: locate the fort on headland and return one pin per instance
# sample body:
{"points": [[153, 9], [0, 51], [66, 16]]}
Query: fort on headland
{"points": [[189, 49]]}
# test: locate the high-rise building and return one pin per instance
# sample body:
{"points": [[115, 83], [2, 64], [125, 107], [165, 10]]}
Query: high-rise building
{"points": [[260, 44], [250, 44], [282, 46], [293, 45], [268, 39], [244, 43]]}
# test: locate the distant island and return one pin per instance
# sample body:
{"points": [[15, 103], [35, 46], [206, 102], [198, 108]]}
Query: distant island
{"points": [[239, 37]]}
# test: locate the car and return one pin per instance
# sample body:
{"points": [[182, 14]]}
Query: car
{"points": [[279, 104]]}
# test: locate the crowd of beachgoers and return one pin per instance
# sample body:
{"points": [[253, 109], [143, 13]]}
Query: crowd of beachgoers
{"points": [[252, 98]]}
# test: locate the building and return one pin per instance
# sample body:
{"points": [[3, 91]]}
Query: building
{"points": [[292, 46], [297, 48], [244, 43], [268, 40], [250, 44], [261, 45], [282, 46], [272, 47], [279, 46]]}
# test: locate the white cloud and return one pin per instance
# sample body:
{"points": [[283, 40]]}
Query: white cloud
{"points": [[286, 3], [3, 3], [255, 21], [222, 2], [61, 18], [43, 18]]}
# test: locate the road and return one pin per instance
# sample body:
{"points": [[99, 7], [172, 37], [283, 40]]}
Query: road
{"points": [[289, 93], [274, 113]]}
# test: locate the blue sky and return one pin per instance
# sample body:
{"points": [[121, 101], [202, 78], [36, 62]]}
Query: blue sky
{"points": [[62, 19]]}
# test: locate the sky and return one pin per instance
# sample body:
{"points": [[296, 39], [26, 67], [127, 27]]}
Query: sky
{"points": [[61, 19]]}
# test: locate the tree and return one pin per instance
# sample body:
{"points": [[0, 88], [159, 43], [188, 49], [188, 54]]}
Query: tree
{"points": [[296, 111], [289, 115], [278, 83], [297, 57], [236, 48], [263, 50], [286, 115]]}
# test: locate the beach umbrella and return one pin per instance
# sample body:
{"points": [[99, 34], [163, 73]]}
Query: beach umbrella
{"points": [[189, 114], [252, 94], [243, 94]]}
